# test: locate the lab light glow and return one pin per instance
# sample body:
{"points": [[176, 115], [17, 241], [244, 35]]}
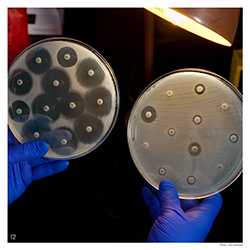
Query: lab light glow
{"points": [[189, 24]]}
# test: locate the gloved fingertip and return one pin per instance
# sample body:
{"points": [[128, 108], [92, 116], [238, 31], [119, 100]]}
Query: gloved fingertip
{"points": [[215, 200], [210, 206], [187, 204], [64, 165], [168, 195], [42, 146], [166, 185]]}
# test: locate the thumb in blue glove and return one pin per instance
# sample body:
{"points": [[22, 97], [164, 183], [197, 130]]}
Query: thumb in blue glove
{"points": [[26, 163], [178, 220]]}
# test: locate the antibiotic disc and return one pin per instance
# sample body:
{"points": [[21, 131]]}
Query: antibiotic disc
{"points": [[187, 127], [64, 92]]}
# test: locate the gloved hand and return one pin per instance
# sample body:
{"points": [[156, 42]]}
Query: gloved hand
{"points": [[26, 163], [178, 220]]}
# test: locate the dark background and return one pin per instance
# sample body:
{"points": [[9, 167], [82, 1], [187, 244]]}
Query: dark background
{"points": [[98, 199]]}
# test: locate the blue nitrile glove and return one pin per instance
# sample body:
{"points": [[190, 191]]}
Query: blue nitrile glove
{"points": [[26, 163], [178, 220]]}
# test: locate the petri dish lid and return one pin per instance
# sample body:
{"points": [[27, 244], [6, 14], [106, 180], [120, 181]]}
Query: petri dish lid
{"points": [[64, 92], [187, 127]]}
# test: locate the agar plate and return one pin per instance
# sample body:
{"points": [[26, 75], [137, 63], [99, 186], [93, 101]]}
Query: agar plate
{"points": [[64, 92], [187, 127]]}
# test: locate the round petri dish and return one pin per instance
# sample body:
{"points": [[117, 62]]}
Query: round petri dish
{"points": [[187, 127], [64, 92]]}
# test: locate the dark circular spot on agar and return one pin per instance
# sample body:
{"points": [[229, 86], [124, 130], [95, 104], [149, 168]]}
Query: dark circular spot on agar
{"points": [[191, 180], [19, 111], [62, 140], [88, 128], [200, 89], [38, 60], [99, 101], [67, 57], [38, 125], [46, 105], [56, 82], [148, 114], [20, 82], [194, 149], [89, 73], [72, 105]]}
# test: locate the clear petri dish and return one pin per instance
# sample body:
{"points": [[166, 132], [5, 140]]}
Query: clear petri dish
{"points": [[187, 127], [64, 92]]}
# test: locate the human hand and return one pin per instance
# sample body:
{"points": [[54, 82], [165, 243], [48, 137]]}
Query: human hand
{"points": [[26, 164], [178, 220]]}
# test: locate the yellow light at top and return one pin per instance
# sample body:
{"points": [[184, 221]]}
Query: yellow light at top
{"points": [[189, 24]]}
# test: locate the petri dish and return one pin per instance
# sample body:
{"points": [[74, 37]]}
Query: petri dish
{"points": [[187, 127], [64, 92]]}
